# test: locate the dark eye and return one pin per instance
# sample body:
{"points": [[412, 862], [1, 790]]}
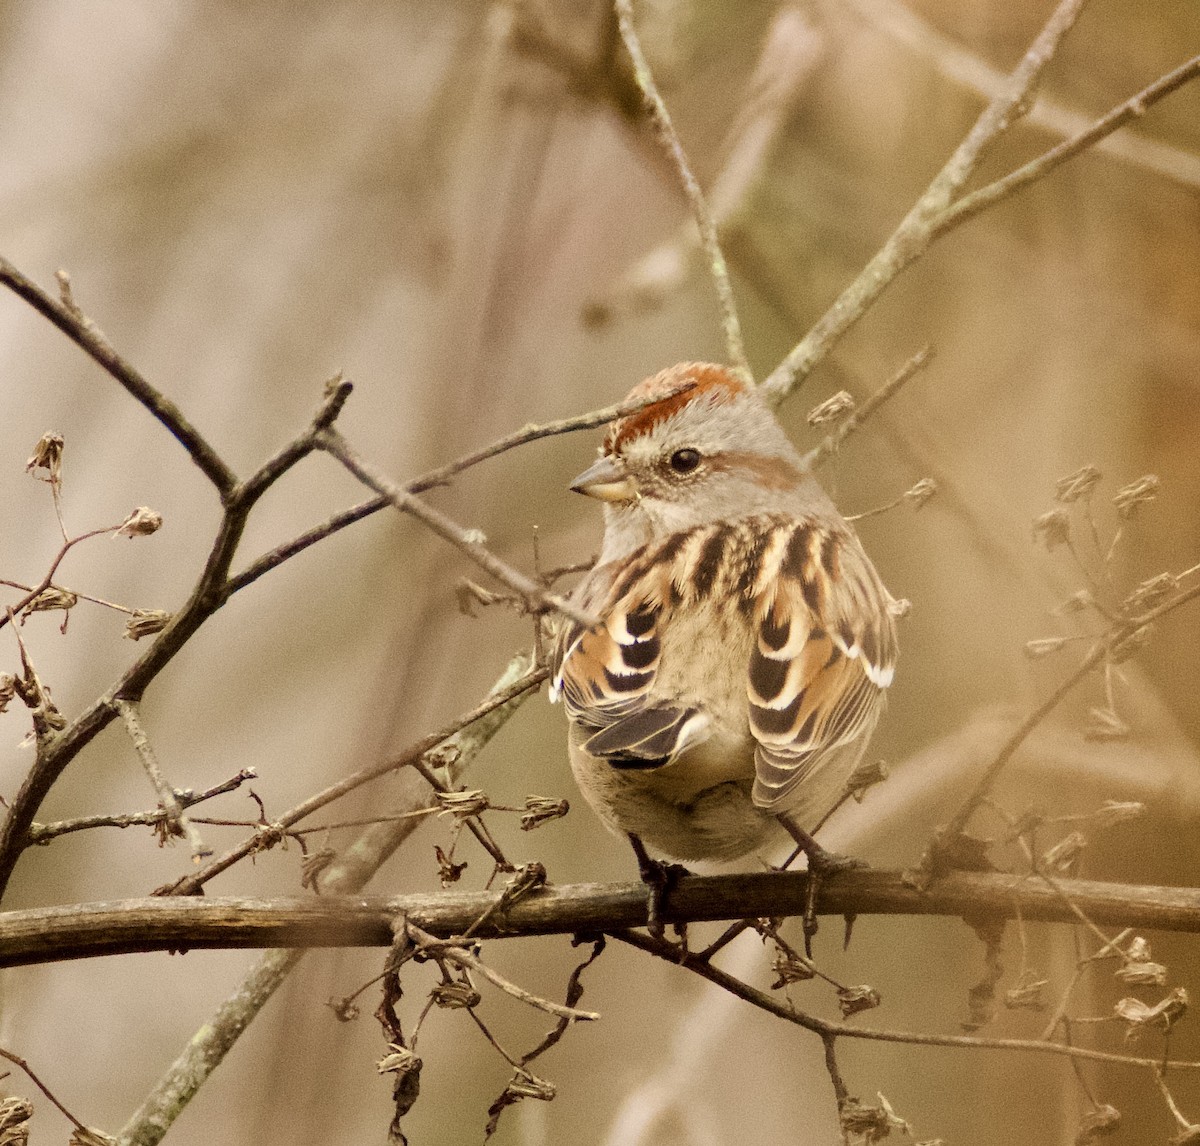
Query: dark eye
{"points": [[685, 460]]}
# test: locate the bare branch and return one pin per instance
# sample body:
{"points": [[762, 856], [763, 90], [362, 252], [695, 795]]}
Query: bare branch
{"points": [[190, 884], [88, 337], [914, 234], [175, 823], [157, 923], [661, 119], [1123, 113], [537, 597]]}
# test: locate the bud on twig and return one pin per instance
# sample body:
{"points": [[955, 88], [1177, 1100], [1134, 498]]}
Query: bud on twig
{"points": [[1078, 485], [140, 523], [1128, 498], [47, 455], [1052, 528], [831, 409]]}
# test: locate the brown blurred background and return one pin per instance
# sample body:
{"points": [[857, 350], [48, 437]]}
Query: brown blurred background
{"points": [[448, 203]]}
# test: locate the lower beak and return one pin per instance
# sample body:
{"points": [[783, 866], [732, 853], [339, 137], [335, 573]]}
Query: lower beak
{"points": [[606, 480]]}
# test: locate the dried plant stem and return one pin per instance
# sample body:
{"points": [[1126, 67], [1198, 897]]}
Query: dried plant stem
{"points": [[18, 1061], [665, 129], [346, 875], [828, 1030], [1096, 657], [461, 957], [176, 822], [412, 755]]}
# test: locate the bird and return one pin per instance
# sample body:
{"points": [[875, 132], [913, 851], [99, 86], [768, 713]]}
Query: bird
{"points": [[742, 642]]}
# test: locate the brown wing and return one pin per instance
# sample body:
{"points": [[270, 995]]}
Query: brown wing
{"points": [[605, 674], [825, 653]]}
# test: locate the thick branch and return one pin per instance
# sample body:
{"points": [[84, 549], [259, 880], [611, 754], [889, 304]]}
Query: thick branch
{"points": [[76, 931]]}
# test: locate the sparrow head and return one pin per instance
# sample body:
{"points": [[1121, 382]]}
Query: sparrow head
{"points": [[711, 449]]}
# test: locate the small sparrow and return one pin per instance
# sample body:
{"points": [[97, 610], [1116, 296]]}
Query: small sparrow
{"points": [[744, 640]]}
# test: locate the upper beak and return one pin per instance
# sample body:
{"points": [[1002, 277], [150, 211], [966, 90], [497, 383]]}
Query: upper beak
{"points": [[606, 480]]}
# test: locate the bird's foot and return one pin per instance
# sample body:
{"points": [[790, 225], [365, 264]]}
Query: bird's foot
{"points": [[659, 877]]}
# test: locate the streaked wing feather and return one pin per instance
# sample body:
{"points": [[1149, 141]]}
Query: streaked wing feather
{"points": [[825, 653], [605, 674]]}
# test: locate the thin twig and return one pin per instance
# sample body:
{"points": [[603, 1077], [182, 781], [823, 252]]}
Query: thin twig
{"points": [[88, 337], [190, 884], [17, 1060], [463, 539], [176, 823], [661, 119], [460, 957], [41, 834], [912, 237], [833, 442]]}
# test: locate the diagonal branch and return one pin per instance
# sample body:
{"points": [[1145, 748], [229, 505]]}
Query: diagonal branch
{"points": [[535, 595], [89, 338]]}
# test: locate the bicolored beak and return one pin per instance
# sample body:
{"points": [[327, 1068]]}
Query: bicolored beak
{"points": [[606, 480]]}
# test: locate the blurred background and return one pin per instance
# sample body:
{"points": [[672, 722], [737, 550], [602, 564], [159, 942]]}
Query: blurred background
{"points": [[457, 205]]}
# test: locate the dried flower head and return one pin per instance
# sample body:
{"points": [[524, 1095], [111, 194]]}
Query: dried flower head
{"points": [[1165, 1013], [789, 967], [455, 995], [146, 622], [1105, 724], [526, 1085], [831, 409], [539, 809], [1052, 528], [448, 871], [15, 1114], [921, 492], [1113, 812], [1150, 593], [398, 1060], [1096, 1124], [1026, 993], [1064, 855], [1139, 968], [463, 804], [1078, 485], [855, 999], [47, 455], [140, 523], [1128, 498], [52, 598], [1043, 647], [8, 690]]}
